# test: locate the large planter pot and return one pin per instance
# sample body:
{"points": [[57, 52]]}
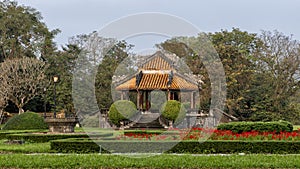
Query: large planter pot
{"points": [[61, 125]]}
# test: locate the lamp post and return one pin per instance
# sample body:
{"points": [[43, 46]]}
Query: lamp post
{"points": [[55, 80]]}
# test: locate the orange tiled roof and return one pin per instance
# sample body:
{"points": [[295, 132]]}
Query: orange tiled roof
{"points": [[158, 82], [157, 63], [128, 85], [155, 76]]}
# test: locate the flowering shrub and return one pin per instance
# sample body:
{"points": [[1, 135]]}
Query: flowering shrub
{"points": [[200, 133]]}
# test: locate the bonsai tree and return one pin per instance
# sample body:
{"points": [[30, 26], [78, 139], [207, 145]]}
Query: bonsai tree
{"points": [[173, 111], [121, 110]]}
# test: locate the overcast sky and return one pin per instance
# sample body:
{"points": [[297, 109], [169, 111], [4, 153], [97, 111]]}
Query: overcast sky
{"points": [[75, 17]]}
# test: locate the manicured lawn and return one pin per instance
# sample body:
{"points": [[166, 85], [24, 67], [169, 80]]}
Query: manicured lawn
{"points": [[24, 148], [159, 161]]}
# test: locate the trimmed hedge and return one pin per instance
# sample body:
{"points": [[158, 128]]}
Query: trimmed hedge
{"points": [[5, 133], [43, 138], [194, 147], [25, 121], [239, 127]]}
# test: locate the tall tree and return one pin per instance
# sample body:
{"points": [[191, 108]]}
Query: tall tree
{"points": [[237, 50], [93, 50], [278, 72], [22, 33], [194, 63], [22, 79], [106, 70], [62, 64]]}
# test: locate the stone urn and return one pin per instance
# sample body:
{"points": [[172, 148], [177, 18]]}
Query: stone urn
{"points": [[61, 125]]}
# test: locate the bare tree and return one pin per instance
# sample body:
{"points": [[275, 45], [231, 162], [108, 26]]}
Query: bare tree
{"points": [[280, 60], [22, 79]]}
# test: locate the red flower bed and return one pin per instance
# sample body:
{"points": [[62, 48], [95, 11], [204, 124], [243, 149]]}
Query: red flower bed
{"points": [[203, 134]]}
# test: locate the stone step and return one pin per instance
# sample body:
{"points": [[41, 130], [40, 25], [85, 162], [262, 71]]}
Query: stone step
{"points": [[148, 120]]}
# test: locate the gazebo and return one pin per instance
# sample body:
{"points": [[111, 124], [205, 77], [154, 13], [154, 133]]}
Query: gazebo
{"points": [[158, 72]]}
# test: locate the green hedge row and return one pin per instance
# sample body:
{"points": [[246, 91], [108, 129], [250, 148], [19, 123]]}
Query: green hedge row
{"points": [[194, 147], [5, 133], [43, 138], [239, 127]]}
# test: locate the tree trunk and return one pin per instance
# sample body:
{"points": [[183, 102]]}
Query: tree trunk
{"points": [[21, 106], [21, 110]]}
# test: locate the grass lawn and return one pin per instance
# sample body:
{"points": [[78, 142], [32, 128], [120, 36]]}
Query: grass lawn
{"points": [[24, 148], [158, 161]]}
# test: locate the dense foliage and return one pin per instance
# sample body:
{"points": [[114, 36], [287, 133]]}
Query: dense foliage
{"points": [[22, 32], [262, 72], [121, 110], [239, 127], [25, 121]]}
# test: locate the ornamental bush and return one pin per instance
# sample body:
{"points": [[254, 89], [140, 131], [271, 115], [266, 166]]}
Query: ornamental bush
{"points": [[25, 121], [239, 127], [121, 110], [174, 111]]}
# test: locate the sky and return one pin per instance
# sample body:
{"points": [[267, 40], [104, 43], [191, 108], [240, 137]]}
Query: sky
{"points": [[74, 17]]}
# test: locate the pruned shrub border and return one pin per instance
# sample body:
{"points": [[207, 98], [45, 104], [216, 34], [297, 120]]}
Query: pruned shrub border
{"points": [[239, 127], [194, 147], [42, 138]]}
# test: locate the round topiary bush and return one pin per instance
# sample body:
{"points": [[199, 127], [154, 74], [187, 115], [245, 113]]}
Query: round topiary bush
{"points": [[174, 111], [25, 121], [120, 111]]}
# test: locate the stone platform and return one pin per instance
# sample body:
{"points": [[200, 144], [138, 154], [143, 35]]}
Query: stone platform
{"points": [[61, 125]]}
